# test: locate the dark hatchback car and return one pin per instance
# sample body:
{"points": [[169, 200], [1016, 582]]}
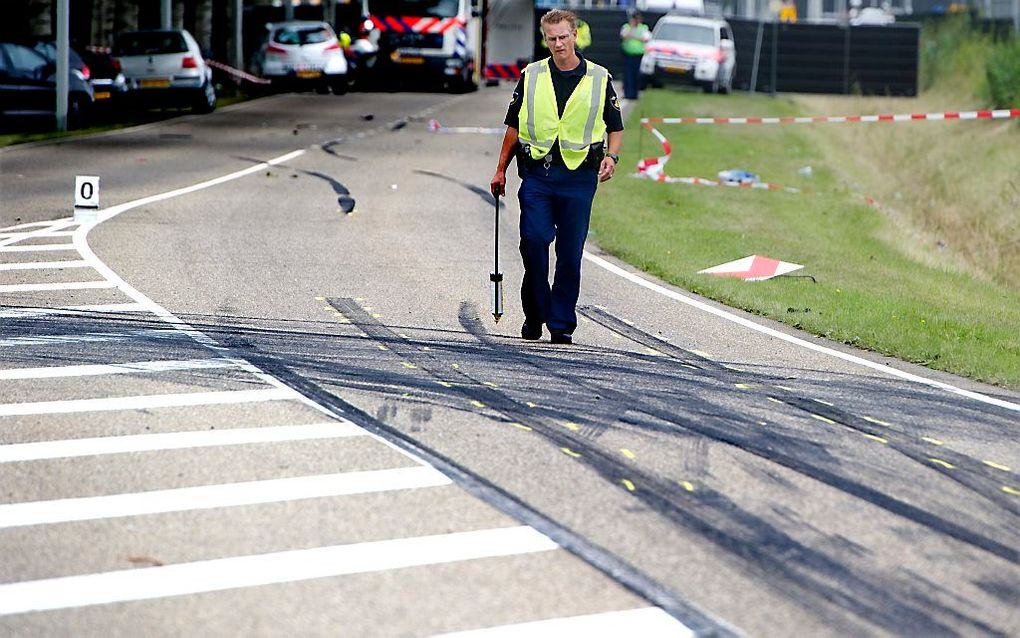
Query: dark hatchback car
{"points": [[28, 89], [97, 66]]}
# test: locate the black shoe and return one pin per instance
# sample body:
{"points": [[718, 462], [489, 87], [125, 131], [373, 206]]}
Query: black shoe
{"points": [[531, 332], [561, 337]]}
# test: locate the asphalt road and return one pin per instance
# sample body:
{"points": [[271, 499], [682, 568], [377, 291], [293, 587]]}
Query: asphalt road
{"points": [[278, 404]]}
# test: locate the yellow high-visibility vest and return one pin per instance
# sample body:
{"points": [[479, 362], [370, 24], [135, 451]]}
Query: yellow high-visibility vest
{"points": [[539, 124]]}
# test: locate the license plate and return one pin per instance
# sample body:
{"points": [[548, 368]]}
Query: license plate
{"points": [[154, 84], [676, 69], [309, 74], [409, 59], [102, 95]]}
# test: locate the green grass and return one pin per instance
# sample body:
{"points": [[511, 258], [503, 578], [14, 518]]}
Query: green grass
{"points": [[870, 292]]}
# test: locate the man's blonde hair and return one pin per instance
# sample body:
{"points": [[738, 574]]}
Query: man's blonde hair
{"points": [[560, 15]]}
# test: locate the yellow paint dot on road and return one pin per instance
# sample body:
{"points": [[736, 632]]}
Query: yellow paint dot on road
{"points": [[409, 366], [653, 352], [628, 484], [743, 386], [381, 346], [630, 455], [701, 353], [687, 485], [573, 427], [928, 439], [477, 403], [367, 307], [426, 349], [996, 466], [1010, 490], [877, 422], [945, 464], [876, 438], [822, 418], [570, 452], [402, 335], [490, 384], [445, 384], [762, 423], [455, 366], [783, 387], [320, 299], [687, 365], [376, 316], [823, 402], [531, 405], [774, 400], [521, 426]]}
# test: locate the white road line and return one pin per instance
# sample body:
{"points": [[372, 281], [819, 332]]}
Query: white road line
{"points": [[43, 265], [747, 323], [31, 225], [651, 622], [46, 233], [35, 248], [34, 311], [138, 367], [147, 401], [90, 337], [70, 448], [69, 285], [206, 497], [267, 569]]}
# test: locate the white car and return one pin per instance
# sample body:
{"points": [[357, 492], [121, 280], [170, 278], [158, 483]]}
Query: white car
{"points": [[690, 50], [872, 16], [165, 68], [296, 54]]}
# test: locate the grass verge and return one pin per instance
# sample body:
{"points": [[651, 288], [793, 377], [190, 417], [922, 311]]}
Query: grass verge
{"points": [[872, 290]]}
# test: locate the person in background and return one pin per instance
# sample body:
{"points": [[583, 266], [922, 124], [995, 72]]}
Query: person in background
{"points": [[788, 12], [633, 37]]}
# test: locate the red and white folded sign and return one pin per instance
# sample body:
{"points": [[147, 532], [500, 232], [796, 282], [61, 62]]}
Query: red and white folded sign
{"points": [[752, 268]]}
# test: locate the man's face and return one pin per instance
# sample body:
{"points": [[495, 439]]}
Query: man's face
{"points": [[560, 38]]}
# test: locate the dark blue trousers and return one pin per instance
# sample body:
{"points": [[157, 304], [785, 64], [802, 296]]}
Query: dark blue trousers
{"points": [[555, 204], [631, 76]]}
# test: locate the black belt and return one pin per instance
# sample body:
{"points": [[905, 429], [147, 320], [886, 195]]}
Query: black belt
{"points": [[592, 161]]}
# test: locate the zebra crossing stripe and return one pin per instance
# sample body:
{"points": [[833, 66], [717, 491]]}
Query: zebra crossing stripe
{"points": [[98, 446], [206, 497], [145, 402], [267, 569], [647, 622]]}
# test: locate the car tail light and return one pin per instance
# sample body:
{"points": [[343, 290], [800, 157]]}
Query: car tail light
{"points": [[720, 55], [272, 49], [85, 71], [115, 63], [189, 62]]}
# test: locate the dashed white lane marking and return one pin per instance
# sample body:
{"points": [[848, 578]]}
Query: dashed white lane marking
{"points": [[139, 367], [70, 285], [267, 569], [652, 622], [723, 314], [45, 265], [215, 496], [31, 311], [68, 448], [36, 248], [148, 401], [90, 337]]}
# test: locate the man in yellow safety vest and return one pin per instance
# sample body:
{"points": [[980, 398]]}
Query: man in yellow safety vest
{"points": [[562, 112]]}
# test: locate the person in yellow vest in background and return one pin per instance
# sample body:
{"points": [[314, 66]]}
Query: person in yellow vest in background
{"points": [[633, 37], [561, 113], [788, 11]]}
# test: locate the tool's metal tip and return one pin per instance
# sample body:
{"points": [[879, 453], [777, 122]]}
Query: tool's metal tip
{"points": [[497, 317]]}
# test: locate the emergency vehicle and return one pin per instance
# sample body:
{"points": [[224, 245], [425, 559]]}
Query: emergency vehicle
{"points": [[454, 43]]}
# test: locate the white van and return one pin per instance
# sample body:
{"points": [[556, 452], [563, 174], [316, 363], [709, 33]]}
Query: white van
{"points": [[687, 50], [676, 7]]}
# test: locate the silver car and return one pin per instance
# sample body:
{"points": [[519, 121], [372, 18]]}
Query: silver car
{"points": [[165, 68], [303, 54]]}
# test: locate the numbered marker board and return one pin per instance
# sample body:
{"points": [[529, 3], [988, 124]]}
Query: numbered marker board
{"points": [[86, 191]]}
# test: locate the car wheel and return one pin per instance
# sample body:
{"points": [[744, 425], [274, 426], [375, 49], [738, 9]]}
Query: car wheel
{"points": [[711, 87], [77, 112], [338, 84], [205, 101]]}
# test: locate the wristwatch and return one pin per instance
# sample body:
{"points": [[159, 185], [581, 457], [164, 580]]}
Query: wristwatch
{"points": [[614, 157]]}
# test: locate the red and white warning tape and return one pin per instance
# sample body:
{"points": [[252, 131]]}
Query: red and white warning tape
{"points": [[998, 114], [654, 167], [237, 73]]}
